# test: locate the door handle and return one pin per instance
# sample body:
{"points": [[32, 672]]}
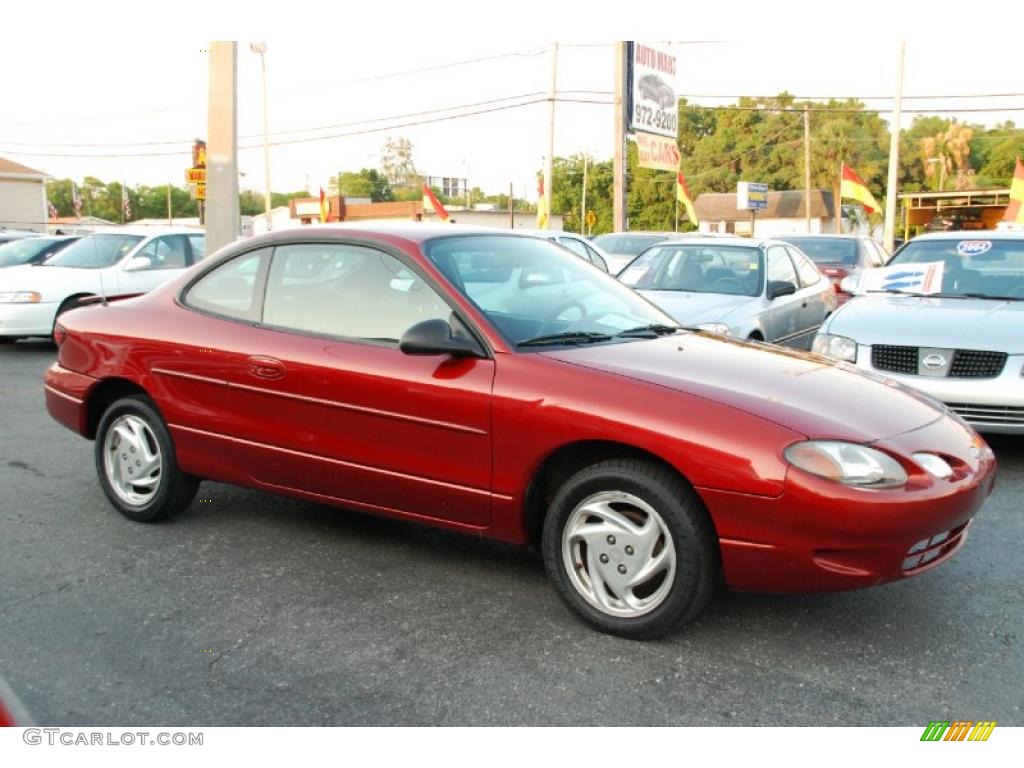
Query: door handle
{"points": [[263, 367]]}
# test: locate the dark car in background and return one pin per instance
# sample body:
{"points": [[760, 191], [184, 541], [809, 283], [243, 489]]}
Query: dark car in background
{"points": [[31, 250], [838, 256]]}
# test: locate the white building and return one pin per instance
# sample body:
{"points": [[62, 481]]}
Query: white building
{"points": [[22, 197], [784, 214]]}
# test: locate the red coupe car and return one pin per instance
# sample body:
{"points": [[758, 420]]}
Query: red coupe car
{"points": [[500, 386]]}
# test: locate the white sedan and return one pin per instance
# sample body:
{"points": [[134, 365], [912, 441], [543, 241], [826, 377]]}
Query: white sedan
{"points": [[120, 262]]}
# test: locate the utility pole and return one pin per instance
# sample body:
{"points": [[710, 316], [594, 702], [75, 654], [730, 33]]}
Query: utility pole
{"points": [[894, 154], [619, 158], [170, 221], [583, 201], [549, 160], [222, 149], [807, 168], [511, 207], [261, 49]]}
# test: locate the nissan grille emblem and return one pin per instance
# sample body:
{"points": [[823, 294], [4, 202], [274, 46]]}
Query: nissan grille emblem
{"points": [[934, 362]]}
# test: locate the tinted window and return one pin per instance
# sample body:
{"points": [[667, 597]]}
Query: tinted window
{"points": [[231, 288], [780, 268], [95, 251], [805, 270], [23, 251], [198, 243], [728, 269], [827, 250], [347, 290], [165, 252], [626, 245], [530, 288]]}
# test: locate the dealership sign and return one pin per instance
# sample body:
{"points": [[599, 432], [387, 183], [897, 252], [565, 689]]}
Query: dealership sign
{"points": [[657, 152], [654, 106], [751, 196]]}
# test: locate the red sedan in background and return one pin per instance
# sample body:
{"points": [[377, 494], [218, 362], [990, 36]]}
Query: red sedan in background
{"points": [[500, 386]]}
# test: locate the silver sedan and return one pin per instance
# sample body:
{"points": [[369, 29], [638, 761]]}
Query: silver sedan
{"points": [[764, 290], [963, 345]]}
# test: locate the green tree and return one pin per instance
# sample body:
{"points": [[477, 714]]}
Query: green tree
{"points": [[368, 182]]}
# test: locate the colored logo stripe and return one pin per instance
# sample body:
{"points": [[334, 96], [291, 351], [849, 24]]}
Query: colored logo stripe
{"points": [[935, 730]]}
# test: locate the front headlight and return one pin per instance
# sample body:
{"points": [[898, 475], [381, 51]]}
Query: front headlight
{"points": [[847, 463], [837, 347], [20, 297], [720, 328]]}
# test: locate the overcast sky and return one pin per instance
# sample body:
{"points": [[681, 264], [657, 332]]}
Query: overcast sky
{"points": [[137, 74]]}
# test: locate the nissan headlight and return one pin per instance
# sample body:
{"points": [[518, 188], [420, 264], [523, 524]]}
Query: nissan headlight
{"points": [[837, 347], [847, 463], [20, 297], [720, 328]]}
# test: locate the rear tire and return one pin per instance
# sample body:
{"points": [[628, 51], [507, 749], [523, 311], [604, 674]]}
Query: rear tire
{"points": [[136, 465], [631, 548]]}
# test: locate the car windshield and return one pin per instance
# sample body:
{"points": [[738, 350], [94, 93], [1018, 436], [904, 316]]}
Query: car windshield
{"points": [[626, 245], [732, 269], [827, 250], [23, 251], [972, 267], [95, 251], [531, 289]]}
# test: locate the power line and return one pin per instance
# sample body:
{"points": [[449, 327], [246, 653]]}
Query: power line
{"points": [[852, 98], [308, 139], [846, 110]]}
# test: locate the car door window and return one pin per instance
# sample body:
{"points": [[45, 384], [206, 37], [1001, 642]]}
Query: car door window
{"points": [[876, 254], [575, 246], [230, 289], [780, 268], [166, 252], [198, 243], [349, 291], [805, 269], [596, 258]]}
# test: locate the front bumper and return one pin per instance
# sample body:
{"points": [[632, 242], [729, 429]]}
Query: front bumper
{"points": [[27, 319], [821, 536], [989, 405], [66, 393]]}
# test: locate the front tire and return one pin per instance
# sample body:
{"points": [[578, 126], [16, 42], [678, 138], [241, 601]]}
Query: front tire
{"points": [[630, 548], [136, 465]]}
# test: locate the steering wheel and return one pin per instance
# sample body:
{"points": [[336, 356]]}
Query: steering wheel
{"points": [[723, 281], [559, 311]]}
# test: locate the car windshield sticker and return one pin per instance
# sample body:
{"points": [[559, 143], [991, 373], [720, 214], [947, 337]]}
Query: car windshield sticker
{"points": [[910, 278], [973, 247]]}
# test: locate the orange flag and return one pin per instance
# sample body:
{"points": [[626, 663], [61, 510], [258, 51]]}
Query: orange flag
{"points": [[684, 197], [429, 198], [1015, 210], [851, 185]]}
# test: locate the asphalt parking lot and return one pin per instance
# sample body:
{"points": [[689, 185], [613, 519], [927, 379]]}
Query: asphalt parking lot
{"points": [[255, 610]]}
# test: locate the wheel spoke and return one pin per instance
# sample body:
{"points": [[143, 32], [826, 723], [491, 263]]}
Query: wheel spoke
{"points": [[597, 582], [660, 562]]}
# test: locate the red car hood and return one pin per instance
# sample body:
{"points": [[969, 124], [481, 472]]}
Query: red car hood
{"points": [[807, 393]]}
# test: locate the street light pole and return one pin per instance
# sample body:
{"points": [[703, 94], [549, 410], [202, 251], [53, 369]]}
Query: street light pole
{"points": [[261, 49]]}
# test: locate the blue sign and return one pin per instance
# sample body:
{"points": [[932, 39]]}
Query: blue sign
{"points": [[751, 196]]}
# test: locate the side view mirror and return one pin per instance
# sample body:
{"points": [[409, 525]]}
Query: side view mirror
{"points": [[138, 263], [434, 337], [849, 284], [777, 288]]}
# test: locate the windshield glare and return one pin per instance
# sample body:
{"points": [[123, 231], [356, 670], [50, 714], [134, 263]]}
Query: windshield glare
{"points": [[827, 251], [716, 268], [22, 251], [529, 288], [972, 265], [95, 251]]}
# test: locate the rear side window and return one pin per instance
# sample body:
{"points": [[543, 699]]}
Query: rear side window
{"points": [[198, 243], [230, 289], [809, 274]]}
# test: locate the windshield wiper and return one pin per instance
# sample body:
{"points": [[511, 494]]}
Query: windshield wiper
{"points": [[947, 295], [649, 331], [566, 337]]}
